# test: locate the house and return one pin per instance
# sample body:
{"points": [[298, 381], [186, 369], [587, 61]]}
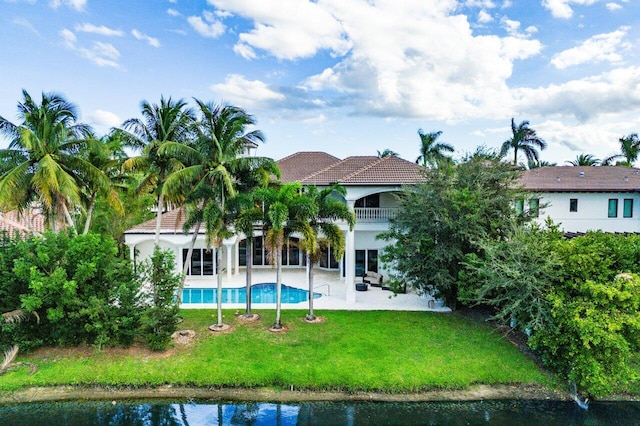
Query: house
{"points": [[27, 223], [370, 183], [585, 198]]}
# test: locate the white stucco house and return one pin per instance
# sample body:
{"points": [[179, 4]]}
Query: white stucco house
{"points": [[370, 182], [586, 198]]}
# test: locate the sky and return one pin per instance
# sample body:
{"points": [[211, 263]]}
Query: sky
{"points": [[348, 77]]}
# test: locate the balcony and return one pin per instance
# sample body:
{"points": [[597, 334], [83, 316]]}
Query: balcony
{"points": [[372, 215]]}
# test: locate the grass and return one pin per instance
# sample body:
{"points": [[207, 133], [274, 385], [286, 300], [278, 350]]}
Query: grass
{"points": [[350, 351]]}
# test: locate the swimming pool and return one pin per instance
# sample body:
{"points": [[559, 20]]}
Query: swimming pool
{"points": [[260, 293]]}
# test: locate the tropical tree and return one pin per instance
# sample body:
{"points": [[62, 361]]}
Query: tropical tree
{"points": [[171, 121], [44, 162], [585, 160], [387, 153], [278, 203], [317, 224], [532, 164], [432, 153], [215, 168], [523, 139], [629, 151]]}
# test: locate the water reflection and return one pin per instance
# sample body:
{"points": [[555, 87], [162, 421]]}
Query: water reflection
{"points": [[546, 413]]}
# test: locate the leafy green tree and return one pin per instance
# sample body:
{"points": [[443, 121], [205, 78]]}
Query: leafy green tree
{"points": [[316, 221], [443, 219], [585, 160], [171, 121], [44, 161], [629, 151], [432, 152], [160, 318], [523, 139]]}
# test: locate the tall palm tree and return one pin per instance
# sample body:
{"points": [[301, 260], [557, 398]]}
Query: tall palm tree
{"points": [[432, 153], [387, 153], [170, 121], [629, 150], [215, 168], [523, 139], [317, 224], [44, 162], [585, 160], [278, 203]]}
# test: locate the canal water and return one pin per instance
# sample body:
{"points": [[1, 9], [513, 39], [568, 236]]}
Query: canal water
{"points": [[508, 412]]}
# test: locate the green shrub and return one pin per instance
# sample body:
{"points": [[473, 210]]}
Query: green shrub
{"points": [[161, 314]]}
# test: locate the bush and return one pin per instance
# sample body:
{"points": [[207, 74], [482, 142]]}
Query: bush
{"points": [[161, 314]]}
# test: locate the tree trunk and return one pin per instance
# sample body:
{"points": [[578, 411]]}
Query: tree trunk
{"points": [[310, 315], [67, 216], [87, 223], [249, 262], [187, 260], [159, 218], [278, 323], [515, 156], [219, 281]]}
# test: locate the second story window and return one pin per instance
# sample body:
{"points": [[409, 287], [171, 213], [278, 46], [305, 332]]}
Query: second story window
{"points": [[372, 201], [573, 204], [534, 207], [613, 207]]}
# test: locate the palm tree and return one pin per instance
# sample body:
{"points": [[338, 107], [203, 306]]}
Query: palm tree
{"points": [[532, 164], [432, 153], [585, 160], [317, 224], [278, 203], [630, 150], [44, 162], [523, 139], [171, 121], [387, 153]]}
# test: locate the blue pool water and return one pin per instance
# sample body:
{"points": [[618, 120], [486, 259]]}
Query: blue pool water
{"points": [[260, 293]]}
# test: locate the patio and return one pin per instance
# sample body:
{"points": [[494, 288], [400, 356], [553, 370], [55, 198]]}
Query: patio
{"points": [[329, 284]]}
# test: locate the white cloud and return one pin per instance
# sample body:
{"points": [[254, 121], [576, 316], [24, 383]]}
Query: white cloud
{"points": [[140, 36], [599, 48], [562, 8], [101, 30], [484, 17], [101, 54], [27, 24], [173, 12], [209, 27], [104, 118], [319, 119], [488, 4], [74, 4], [608, 93], [248, 94], [613, 6]]}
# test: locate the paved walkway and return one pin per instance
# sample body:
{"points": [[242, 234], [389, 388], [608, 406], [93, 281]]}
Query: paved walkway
{"points": [[333, 290]]}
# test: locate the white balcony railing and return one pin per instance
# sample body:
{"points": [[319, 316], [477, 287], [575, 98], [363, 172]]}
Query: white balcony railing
{"points": [[368, 214]]}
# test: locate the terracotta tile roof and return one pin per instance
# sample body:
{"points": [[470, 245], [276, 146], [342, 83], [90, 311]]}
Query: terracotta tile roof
{"points": [[12, 222], [357, 170], [301, 164], [582, 179], [171, 223]]}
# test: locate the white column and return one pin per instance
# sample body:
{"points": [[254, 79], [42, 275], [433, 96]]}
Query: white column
{"points": [[228, 248], [236, 263], [132, 252], [350, 262]]}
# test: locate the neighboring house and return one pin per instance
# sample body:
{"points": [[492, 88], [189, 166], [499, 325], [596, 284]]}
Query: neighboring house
{"points": [[585, 198], [25, 224], [371, 184]]}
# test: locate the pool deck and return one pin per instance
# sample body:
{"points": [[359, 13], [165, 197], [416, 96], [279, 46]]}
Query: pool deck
{"points": [[330, 285]]}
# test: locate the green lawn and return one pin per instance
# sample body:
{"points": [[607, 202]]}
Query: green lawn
{"points": [[349, 351]]}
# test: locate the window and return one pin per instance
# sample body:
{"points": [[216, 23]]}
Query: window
{"points": [[371, 201], [534, 207], [519, 206], [613, 207], [573, 205], [627, 209], [201, 261]]}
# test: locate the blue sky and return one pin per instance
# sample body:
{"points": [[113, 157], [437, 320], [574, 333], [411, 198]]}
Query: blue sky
{"points": [[349, 77]]}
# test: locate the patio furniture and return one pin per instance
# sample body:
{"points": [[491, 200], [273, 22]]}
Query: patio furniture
{"points": [[373, 278], [362, 286]]}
